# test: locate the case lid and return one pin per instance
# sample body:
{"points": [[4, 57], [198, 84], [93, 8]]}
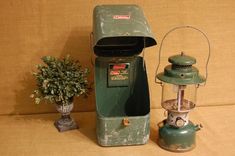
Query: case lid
{"points": [[120, 30]]}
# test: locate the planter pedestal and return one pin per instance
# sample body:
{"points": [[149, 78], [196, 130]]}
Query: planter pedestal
{"points": [[65, 123]]}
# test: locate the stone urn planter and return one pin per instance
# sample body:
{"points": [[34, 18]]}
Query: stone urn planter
{"points": [[65, 123], [58, 82]]}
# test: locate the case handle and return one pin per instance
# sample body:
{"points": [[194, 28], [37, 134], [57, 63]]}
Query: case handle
{"points": [[126, 122]]}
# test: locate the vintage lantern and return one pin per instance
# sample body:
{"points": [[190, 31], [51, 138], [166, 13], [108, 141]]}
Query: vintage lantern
{"points": [[179, 81]]}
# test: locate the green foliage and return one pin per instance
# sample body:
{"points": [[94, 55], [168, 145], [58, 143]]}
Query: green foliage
{"points": [[60, 80]]}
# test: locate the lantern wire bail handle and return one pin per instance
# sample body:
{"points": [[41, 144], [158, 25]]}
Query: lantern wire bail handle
{"points": [[184, 27]]}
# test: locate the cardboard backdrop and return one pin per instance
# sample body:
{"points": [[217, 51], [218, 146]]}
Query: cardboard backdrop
{"points": [[32, 29]]}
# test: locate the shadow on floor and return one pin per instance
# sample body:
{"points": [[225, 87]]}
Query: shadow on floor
{"points": [[153, 133]]}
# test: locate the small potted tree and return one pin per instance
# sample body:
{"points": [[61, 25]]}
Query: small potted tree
{"points": [[59, 81]]}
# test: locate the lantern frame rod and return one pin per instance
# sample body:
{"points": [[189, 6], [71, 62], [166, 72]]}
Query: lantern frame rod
{"points": [[180, 97]]}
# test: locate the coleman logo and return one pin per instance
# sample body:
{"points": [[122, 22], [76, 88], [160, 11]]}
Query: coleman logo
{"points": [[119, 66], [127, 17]]}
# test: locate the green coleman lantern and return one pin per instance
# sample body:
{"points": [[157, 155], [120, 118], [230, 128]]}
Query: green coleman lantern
{"points": [[120, 33], [180, 81]]}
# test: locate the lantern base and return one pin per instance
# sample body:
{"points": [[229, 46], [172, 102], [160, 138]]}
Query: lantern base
{"points": [[177, 139], [175, 149]]}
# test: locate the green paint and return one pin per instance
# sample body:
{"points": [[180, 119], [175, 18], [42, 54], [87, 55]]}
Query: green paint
{"points": [[120, 33], [178, 139], [181, 72], [120, 30], [111, 131], [182, 60], [113, 104]]}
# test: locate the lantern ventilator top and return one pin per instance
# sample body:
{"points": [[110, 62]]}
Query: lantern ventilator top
{"points": [[181, 71]]}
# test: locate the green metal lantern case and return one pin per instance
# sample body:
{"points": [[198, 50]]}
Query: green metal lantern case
{"points": [[120, 33], [180, 82]]}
